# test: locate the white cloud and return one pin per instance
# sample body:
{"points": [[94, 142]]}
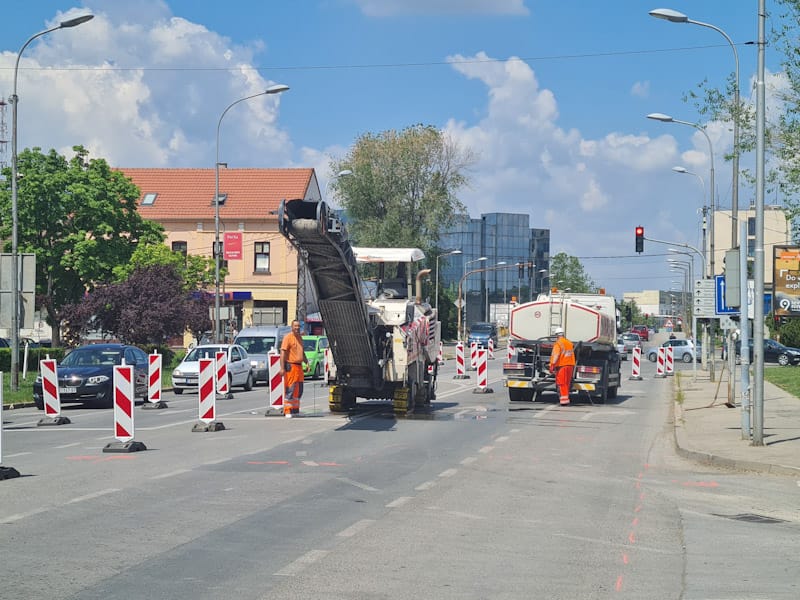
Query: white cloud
{"points": [[641, 89], [390, 8], [164, 115]]}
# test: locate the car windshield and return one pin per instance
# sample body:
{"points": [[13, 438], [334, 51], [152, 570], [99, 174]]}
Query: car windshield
{"points": [[631, 336], [256, 344], [204, 352], [85, 357], [309, 345], [481, 329]]}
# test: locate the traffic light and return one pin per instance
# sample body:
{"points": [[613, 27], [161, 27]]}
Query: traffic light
{"points": [[639, 239], [521, 270]]}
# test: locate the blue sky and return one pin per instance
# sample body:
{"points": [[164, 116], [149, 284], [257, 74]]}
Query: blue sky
{"points": [[551, 96]]}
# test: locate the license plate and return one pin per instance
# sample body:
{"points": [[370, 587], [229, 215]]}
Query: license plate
{"points": [[67, 390]]}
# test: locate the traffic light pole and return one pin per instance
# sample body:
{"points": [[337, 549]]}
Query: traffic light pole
{"points": [[709, 330]]}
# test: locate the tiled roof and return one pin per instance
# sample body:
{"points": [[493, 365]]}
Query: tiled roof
{"points": [[189, 193]]}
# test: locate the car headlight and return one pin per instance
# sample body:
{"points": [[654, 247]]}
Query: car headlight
{"points": [[97, 379], [177, 373], [258, 364]]}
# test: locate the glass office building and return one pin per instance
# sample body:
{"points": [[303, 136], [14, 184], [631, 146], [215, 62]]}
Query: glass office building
{"points": [[506, 240]]}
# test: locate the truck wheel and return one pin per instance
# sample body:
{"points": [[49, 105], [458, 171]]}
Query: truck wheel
{"points": [[515, 394], [612, 392]]}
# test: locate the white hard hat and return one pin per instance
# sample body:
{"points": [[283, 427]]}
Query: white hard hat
{"points": [[558, 331]]}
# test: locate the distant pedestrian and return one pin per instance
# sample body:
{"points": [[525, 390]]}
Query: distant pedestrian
{"points": [[562, 363], [292, 359]]}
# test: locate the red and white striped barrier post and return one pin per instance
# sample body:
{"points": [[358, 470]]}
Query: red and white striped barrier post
{"points": [[5, 472], [207, 396], [491, 349], [327, 364], [636, 364], [51, 398], [276, 382], [440, 356], [509, 352], [473, 355], [460, 368], [154, 382], [670, 365], [660, 360], [123, 390], [221, 375], [482, 366]]}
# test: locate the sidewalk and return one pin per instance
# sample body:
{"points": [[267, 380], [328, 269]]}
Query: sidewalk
{"points": [[708, 431]]}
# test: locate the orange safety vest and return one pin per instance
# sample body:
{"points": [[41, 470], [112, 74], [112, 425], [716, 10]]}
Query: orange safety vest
{"points": [[563, 354]]}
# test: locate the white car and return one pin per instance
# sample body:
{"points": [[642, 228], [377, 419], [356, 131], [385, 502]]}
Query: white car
{"points": [[240, 372], [623, 354]]}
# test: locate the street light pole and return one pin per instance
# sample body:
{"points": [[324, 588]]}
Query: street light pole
{"points": [[464, 307], [686, 171], [449, 253], [274, 89], [674, 16], [342, 173], [15, 280]]}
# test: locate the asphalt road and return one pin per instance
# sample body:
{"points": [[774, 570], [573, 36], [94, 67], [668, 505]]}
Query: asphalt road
{"points": [[479, 498]]}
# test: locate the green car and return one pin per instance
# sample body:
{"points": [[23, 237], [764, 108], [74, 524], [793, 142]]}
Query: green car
{"points": [[314, 347]]}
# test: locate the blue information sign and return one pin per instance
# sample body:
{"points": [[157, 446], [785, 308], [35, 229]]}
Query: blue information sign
{"points": [[721, 308]]}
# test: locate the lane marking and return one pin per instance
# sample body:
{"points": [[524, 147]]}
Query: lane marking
{"points": [[92, 495], [425, 486], [363, 486], [25, 515], [18, 454], [355, 528], [448, 473], [469, 460], [171, 474], [68, 445], [486, 449], [310, 463], [309, 558], [399, 501], [502, 438], [544, 411]]}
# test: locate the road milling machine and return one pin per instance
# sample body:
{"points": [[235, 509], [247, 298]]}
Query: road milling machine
{"points": [[383, 337]]}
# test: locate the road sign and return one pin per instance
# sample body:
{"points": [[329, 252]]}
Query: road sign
{"points": [[704, 299], [721, 307]]}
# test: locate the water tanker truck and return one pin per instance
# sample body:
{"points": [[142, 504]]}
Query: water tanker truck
{"points": [[589, 322]]}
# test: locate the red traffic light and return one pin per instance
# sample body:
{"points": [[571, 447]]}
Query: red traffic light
{"points": [[639, 231], [639, 238]]}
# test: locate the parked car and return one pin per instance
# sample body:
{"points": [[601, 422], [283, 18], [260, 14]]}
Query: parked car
{"points": [[258, 341], [774, 352], [314, 347], [682, 349], [623, 355], [631, 341], [86, 374], [240, 373], [481, 333], [643, 331]]}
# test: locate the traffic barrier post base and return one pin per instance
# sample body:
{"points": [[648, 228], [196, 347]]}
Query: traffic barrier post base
{"points": [[130, 446], [226, 396], [464, 376], [8, 473], [47, 421], [154, 405], [484, 390], [211, 426], [635, 378]]}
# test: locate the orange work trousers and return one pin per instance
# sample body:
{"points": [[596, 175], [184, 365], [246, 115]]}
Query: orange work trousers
{"points": [[293, 388], [564, 382]]}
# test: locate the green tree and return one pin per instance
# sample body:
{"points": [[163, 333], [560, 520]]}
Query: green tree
{"points": [[79, 218], [196, 272], [403, 189], [567, 272]]}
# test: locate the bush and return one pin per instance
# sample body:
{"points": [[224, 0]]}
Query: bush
{"points": [[34, 356]]}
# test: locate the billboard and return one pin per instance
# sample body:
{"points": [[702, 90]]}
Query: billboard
{"points": [[27, 288], [786, 281]]}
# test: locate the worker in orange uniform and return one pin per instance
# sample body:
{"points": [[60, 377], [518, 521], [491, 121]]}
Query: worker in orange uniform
{"points": [[562, 363], [292, 359]]}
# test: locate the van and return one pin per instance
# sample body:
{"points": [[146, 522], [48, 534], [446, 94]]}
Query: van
{"points": [[258, 341], [481, 333]]}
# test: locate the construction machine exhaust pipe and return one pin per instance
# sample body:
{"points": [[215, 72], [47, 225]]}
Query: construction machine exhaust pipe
{"points": [[420, 275]]}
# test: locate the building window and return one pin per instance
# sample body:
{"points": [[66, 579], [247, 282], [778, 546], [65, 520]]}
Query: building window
{"points": [[751, 226], [149, 199], [182, 247], [751, 248], [261, 257]]}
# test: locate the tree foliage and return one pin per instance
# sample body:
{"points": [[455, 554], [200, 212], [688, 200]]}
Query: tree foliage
{"points": [[403, 189], [196, 272], [148, 308], [79, 218], [567, 272]]}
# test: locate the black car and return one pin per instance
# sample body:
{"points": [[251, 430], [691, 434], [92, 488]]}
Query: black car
{"points": [[774, 352], [86, 374]]}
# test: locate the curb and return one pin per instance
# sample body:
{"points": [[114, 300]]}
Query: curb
{"points": [[715, 460]]}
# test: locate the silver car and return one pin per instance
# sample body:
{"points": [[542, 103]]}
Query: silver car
{"points": [[240, 373], [631, 341]]}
